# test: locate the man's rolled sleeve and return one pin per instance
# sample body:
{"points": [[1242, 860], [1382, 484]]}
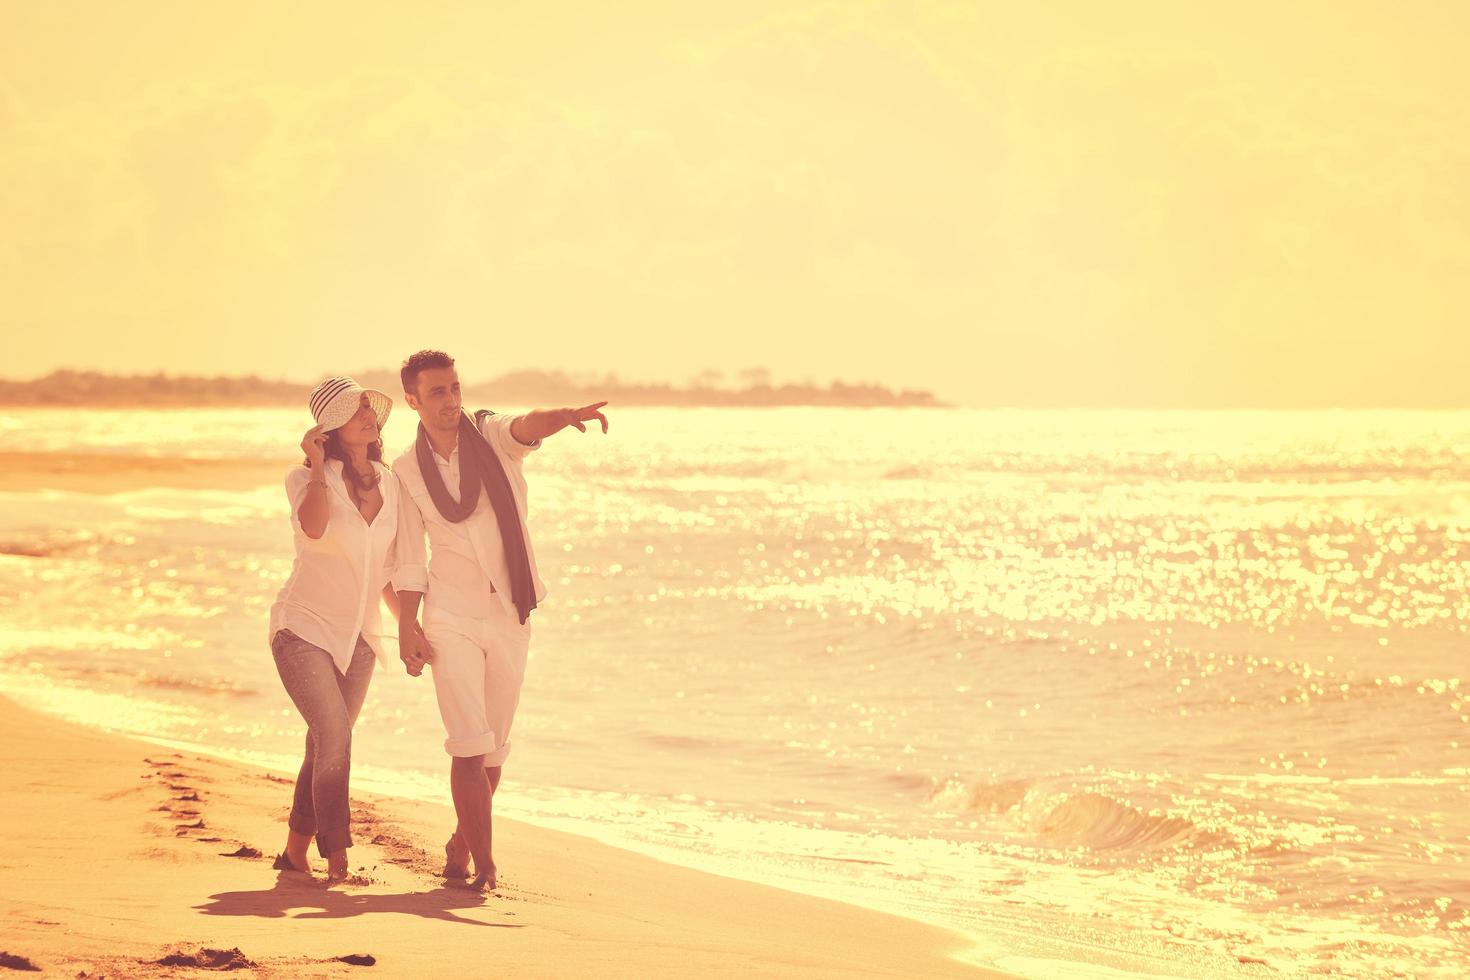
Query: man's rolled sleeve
{"points": [[411, 571], [496, 429]]}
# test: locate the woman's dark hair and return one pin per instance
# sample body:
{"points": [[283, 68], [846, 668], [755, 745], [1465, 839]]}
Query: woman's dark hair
{"points": [[357, 483]]}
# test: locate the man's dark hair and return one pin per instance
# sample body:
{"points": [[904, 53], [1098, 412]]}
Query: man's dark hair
{"points": [[423, 360]]}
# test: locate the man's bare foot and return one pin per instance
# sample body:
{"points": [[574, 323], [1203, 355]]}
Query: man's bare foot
{"points": [[456, 858], [337, 870], [482, 883]]}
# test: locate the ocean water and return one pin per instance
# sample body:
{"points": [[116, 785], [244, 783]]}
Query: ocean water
{"points": [[1186, 688]]}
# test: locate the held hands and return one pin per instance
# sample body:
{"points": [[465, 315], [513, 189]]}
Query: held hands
{"points": [[314, 444], [413, 648]]}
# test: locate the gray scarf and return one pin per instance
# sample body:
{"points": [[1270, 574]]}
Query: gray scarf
{"points": [[479, 466]]}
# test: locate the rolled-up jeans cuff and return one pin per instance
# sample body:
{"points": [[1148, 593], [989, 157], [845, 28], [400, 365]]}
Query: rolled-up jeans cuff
{"points": [[333, 840], [301, 825]]}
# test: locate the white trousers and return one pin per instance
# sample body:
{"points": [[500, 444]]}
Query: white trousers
{"points": [[478, 666]]}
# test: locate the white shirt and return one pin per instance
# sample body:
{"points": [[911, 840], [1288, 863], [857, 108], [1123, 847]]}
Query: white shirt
{"points": [[466, 570], [336, 584]]}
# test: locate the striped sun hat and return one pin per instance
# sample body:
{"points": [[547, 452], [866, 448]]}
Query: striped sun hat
{"points": [[336, 400]]}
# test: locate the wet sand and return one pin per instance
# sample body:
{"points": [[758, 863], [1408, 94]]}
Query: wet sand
{"points": [[120, 858]]}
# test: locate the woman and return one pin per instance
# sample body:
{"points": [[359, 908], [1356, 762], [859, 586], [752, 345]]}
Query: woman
{"points": [[325, 627]]}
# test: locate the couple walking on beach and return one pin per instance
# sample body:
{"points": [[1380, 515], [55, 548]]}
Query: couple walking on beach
{"points": [[359, 531]]}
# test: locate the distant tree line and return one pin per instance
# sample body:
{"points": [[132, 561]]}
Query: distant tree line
{"points": [[68, 388]]}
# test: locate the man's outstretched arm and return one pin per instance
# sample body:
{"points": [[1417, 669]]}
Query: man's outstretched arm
{"points": [[543, 422]]}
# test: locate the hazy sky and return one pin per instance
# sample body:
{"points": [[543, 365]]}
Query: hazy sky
{"points": [[1119, 204]]}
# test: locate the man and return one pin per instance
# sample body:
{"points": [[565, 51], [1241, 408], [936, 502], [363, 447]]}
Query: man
{"points": [[462, 484]]}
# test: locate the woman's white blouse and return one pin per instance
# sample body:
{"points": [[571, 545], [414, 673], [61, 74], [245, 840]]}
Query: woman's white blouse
{"points": [[336, 584]]}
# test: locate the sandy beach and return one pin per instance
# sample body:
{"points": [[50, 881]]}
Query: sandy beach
{"points": [[967, 489], [127, 859]]}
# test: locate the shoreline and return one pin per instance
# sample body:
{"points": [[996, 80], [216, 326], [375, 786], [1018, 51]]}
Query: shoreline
{"points": [[128, 852]]}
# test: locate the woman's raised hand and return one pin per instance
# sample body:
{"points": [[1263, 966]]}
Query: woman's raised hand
{"points": [[314, 444]]}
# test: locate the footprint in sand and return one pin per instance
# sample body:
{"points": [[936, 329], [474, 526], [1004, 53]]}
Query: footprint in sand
{"points": [[403, 852], [209, 959], [190, 818], [10, 961], [356, 959], [182, 829]]}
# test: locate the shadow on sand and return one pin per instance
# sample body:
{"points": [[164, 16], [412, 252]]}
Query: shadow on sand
{"points": [[326, 903]]}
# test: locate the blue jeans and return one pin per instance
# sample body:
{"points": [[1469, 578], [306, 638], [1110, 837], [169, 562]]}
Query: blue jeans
{"points": [[329, 701]]}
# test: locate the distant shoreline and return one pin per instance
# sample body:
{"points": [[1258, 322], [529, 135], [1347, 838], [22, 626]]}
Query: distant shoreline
{"points": [[109, 473], [62, 389]]}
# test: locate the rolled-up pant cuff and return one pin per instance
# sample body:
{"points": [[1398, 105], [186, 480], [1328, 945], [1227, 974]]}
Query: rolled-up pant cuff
{"points": [[463, 748], [301, 825], [333, 840]]}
